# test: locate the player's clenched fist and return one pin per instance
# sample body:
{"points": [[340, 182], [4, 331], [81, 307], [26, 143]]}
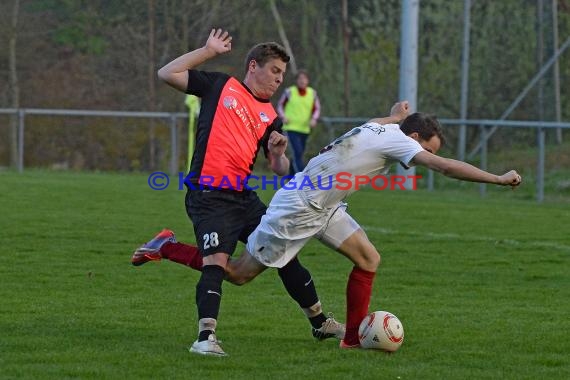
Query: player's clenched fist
{"points": [[277, 143], [511, 178]]}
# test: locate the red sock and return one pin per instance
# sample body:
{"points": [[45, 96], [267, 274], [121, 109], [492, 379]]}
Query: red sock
{"points": [[358, 293], [184, 254]]}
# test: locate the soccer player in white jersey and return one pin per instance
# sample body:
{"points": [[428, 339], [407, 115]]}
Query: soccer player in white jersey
{"points": [[311, 205]]}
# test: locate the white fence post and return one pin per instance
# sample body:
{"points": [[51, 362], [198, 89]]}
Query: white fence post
{"points": [[21, 118]]}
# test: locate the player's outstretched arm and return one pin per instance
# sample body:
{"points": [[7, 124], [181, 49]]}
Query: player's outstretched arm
{"points": [[464, 171], [175, 73]]}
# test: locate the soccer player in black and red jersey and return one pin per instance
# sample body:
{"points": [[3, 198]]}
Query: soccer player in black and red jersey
{"points": [[236, 120]]}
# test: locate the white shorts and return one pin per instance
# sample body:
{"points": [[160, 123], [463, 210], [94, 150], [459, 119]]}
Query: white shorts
{"points": [[289, 223]]}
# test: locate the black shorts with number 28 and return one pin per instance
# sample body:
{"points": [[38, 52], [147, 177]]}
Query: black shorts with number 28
{"points": [[221, 218]]}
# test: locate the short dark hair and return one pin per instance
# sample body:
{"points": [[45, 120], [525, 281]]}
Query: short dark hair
{"points": [[302, 72], [425, 125], [263, 52]]}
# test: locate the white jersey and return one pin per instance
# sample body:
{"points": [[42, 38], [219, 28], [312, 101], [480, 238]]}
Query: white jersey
{"points": [[313, 207], [367, 150]]}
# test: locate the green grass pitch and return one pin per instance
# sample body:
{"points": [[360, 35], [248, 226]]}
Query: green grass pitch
{"points": [[482, 287]]}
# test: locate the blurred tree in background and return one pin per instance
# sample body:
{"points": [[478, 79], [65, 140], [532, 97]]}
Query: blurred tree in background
{"points": [[103, 55]]}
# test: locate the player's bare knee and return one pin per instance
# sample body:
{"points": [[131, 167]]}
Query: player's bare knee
{"points": [[240, 277], [239, 281], [236, 279], [371, 261], [232, 279], [243, 280]]}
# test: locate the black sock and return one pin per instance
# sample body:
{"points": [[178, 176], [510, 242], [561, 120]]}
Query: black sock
{"points": [[209, 294], [204, 335], [299, 283], [317, 322]]}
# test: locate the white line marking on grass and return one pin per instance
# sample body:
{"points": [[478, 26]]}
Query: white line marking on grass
{"points": [[452, 236]]}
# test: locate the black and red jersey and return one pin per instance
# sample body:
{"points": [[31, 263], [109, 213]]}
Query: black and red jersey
{"points": [[232, 126]]}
